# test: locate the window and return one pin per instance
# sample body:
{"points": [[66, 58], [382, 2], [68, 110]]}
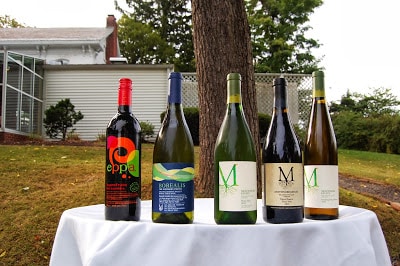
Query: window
{"points": [[21, 92]]}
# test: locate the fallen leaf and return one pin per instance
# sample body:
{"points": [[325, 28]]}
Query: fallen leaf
{"points": [[64, 157], [395, 205], [3, 254], [25, 188]]}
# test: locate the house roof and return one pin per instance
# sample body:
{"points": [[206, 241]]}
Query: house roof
{"points": [[33, 36]]}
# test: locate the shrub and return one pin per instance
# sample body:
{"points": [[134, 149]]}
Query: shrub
{"points": [[147, 130], [59, 118], [373, 133]]}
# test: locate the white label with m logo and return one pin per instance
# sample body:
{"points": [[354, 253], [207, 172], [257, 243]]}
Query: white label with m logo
{"points": [[321, 186], [237, 186]]}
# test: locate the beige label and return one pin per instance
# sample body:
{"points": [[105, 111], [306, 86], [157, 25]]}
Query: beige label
{"points": [[321, 186], [237, 186], [283, 184]]}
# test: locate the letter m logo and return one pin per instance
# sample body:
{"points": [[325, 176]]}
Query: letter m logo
{"points": [[230, 180], [312, 180], [286, 178]]}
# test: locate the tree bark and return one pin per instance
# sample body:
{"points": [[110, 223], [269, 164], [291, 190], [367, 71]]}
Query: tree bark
{"points": [[222, 45]]}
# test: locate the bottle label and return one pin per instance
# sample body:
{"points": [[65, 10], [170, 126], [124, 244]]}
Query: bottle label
{"points": [[122, 172], [283, 185], [237, 186], [173, 187], [321, 184]]}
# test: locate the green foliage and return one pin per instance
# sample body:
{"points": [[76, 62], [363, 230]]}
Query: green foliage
{"points": [[378, 102], [147, 130], [352, 130], [278, 30], [367, 122], [142, 44], [161, 28], [7, 22], [159, 31], [59, 118]]}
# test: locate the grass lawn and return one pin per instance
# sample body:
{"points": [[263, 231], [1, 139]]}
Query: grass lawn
{"points": [[40, 182]]}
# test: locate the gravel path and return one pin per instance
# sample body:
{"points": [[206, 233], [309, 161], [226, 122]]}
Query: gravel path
{"points": [[378, 190]]}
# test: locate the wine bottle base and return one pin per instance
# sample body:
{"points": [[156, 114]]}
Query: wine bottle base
{"points": [[123, 213], [321, 213], [225, 217], [172, 218], [321, 217], [281, 215]]}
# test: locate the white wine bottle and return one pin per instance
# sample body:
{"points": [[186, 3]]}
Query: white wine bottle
{"points": [[235, 173], [283, 178], [321, 177], [173, 163], [123, 160]]}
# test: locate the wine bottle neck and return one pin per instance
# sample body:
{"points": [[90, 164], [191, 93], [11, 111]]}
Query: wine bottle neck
{"points": [[234, 89], [125, 95], [124, 109], [280, 98], [318, 84], [234, 95], [280, 95], [175, 111], [175, 88]]}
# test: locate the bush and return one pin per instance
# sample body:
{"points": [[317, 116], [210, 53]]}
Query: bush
{"points": [[59, 118], [352, 130], [147, 130], [385, 137], [374, 133]]}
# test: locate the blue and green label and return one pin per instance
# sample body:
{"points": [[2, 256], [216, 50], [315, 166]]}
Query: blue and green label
{"points": [[173, 187]]}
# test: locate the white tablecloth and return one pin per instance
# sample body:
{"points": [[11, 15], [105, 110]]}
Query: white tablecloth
{"points": [[84, 238]]}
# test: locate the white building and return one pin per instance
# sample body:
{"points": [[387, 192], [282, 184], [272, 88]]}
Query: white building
{"points": [[39, 67]]}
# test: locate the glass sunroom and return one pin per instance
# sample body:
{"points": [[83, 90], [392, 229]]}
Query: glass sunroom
{"points": [[21, 84]]}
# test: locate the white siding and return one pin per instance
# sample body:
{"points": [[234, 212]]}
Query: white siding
{"points": [[94, 91]]}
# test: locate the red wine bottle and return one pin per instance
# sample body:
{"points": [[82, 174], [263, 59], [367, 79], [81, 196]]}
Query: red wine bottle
{"points": [[123, 160], [283, 182]]}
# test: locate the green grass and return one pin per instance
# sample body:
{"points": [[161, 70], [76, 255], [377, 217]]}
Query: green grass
{"points": [[40, 182], [379, 166]]}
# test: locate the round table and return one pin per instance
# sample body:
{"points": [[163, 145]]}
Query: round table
{"points": [[84, 237]]}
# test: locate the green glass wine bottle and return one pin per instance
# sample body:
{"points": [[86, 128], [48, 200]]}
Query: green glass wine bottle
{"points": [[283, 179], [235, 173], [123, 160], [173, 163], [321, 178]]}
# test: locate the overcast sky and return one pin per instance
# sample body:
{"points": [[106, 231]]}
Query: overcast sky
{"points": [[360, 37]]}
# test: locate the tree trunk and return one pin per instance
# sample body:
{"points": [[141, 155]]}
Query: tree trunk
{"points": [[222, 45]]}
